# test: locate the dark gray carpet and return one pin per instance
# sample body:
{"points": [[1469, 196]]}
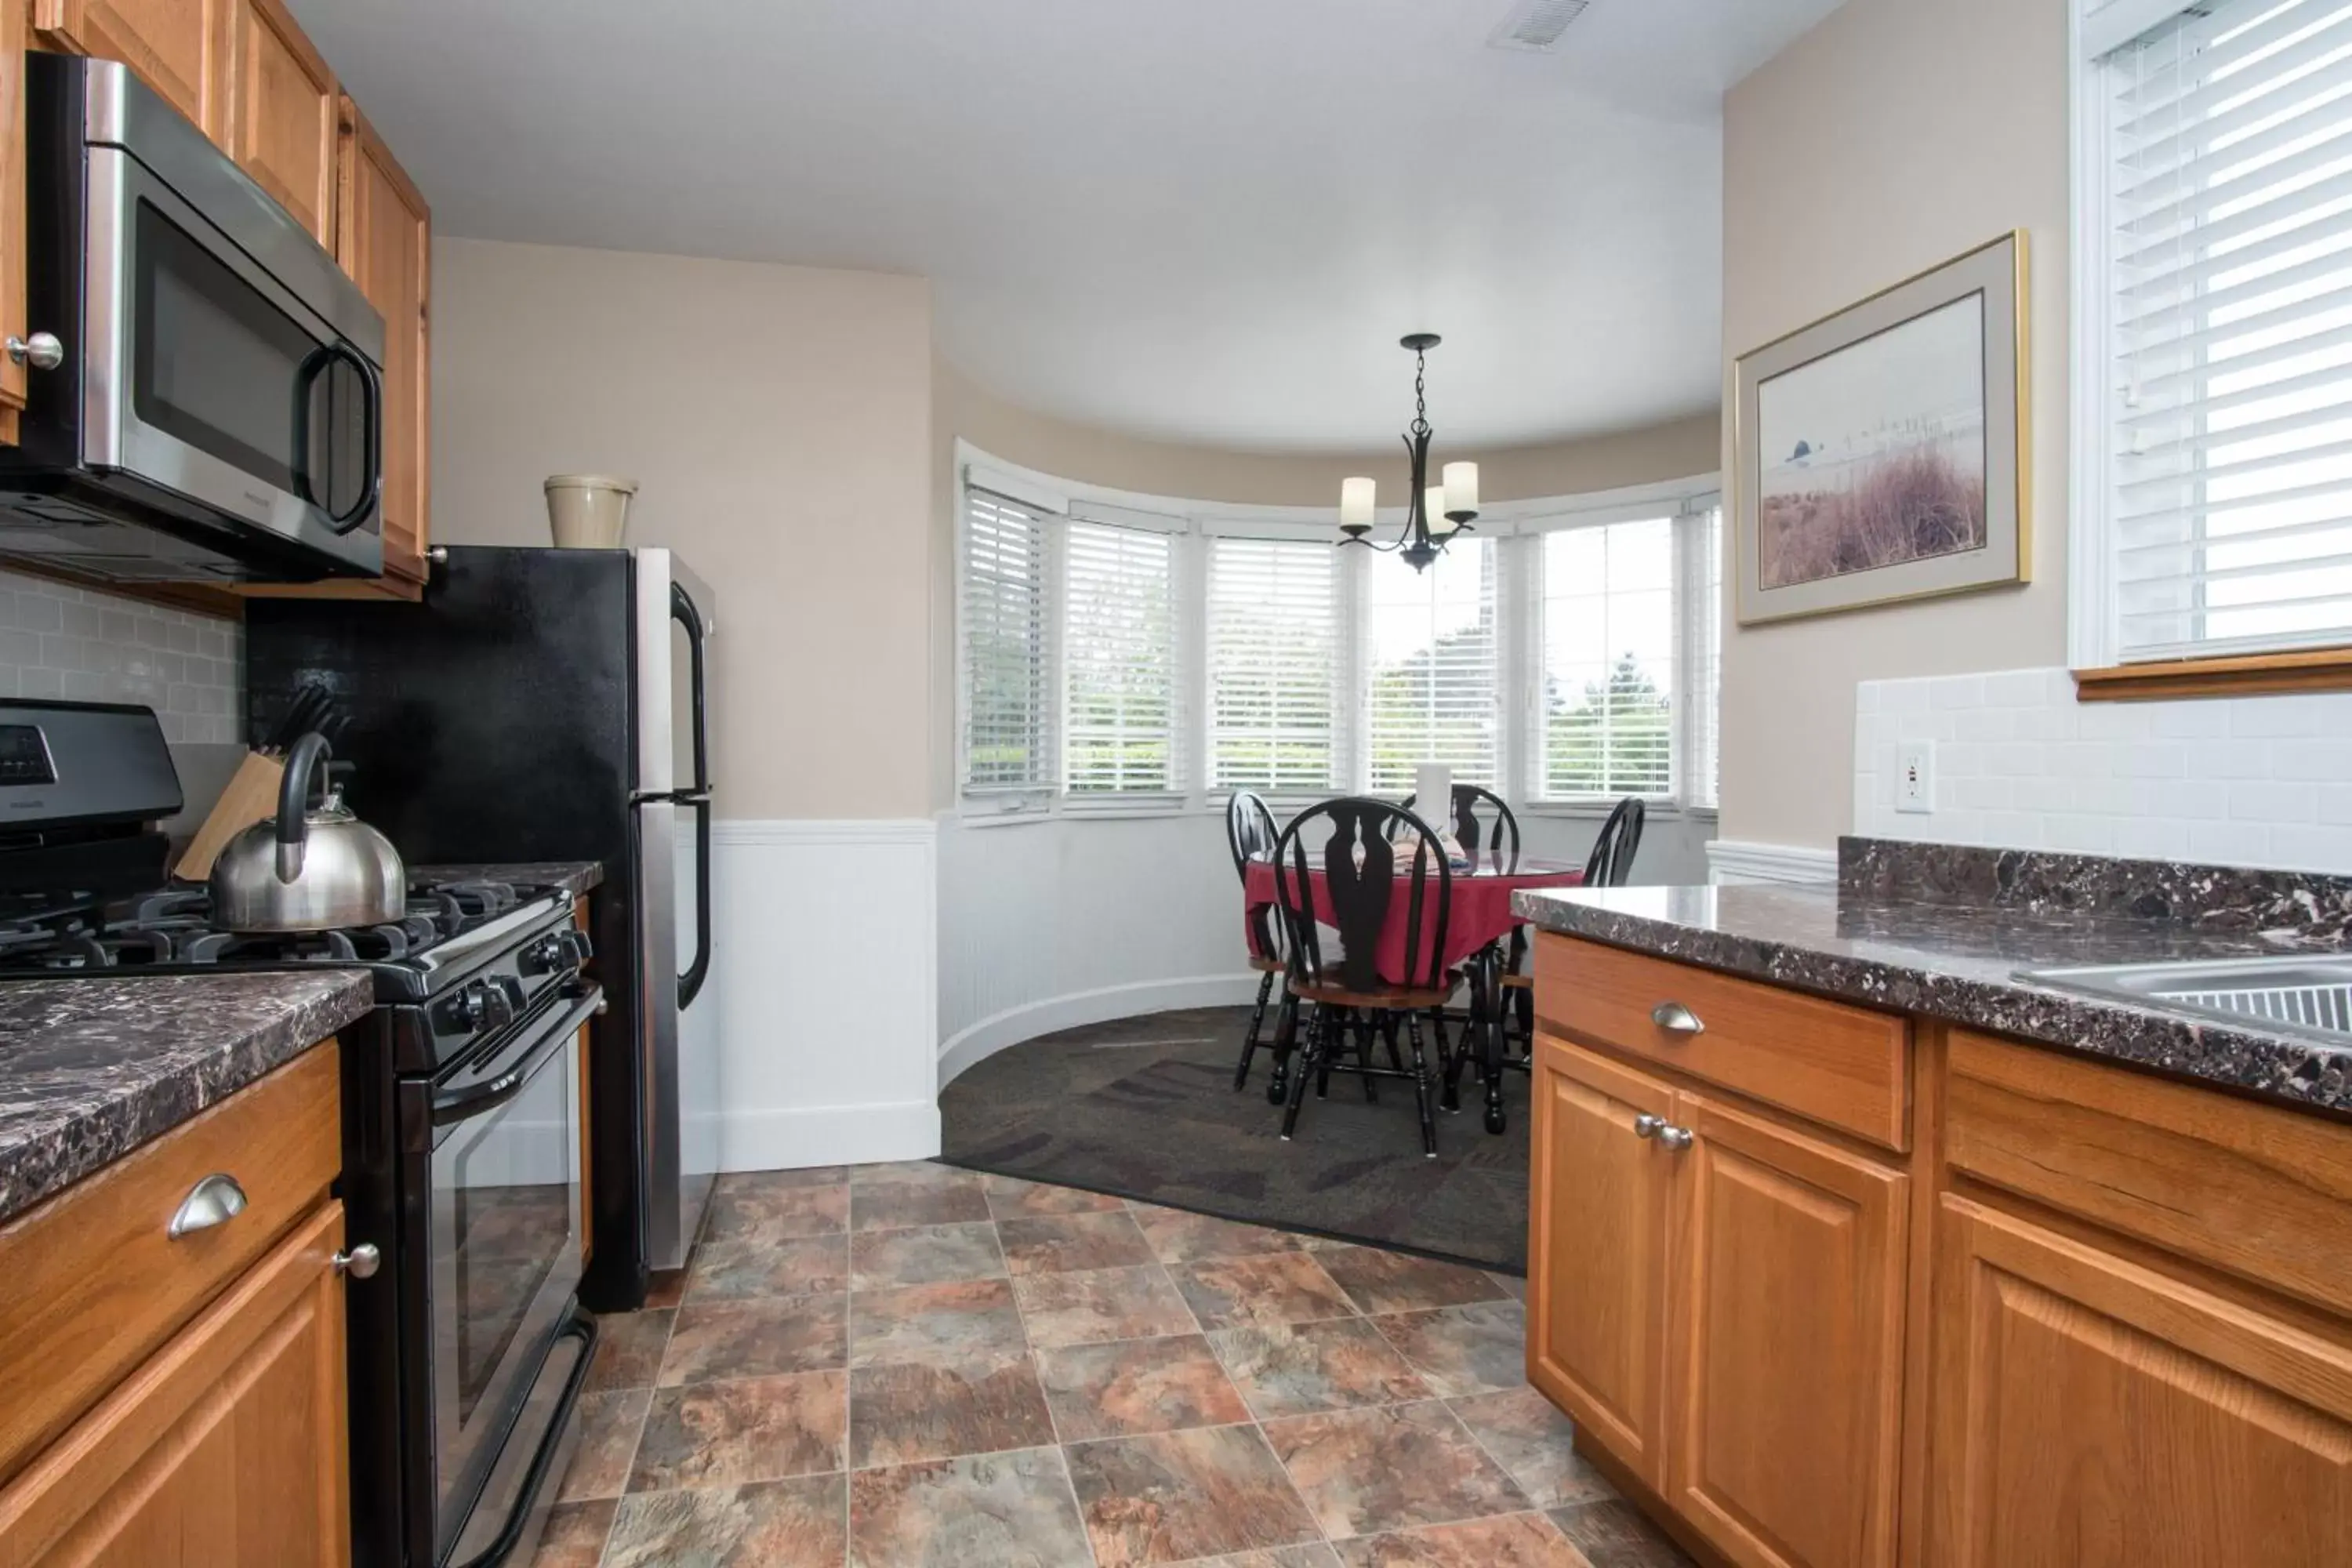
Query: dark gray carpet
{"points": [[1145, 1107]]}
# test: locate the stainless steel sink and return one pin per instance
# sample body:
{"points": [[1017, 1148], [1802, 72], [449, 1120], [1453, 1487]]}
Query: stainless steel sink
{"points": [[2305, 994]]}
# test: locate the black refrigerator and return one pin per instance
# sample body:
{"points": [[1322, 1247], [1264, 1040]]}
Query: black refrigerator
{"points": [[553, 705]]}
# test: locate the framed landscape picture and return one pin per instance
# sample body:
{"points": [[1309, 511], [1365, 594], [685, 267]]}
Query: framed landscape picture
{"points": [[1881, 454]]}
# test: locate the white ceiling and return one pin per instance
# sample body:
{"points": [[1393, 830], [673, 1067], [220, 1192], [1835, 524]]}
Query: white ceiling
{"points": [[1202, 220]]}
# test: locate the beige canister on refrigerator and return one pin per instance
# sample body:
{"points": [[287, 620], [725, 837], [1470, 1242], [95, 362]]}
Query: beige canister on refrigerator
{"points": [[588, 512]]}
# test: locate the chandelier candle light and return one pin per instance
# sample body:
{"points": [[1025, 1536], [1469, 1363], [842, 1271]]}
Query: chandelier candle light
{"points": [[1456, 499]]}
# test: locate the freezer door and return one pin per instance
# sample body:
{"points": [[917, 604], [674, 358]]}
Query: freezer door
{"points": [[673, 611]]}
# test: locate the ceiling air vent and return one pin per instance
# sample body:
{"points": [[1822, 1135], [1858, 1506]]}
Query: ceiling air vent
{"points": [[1536, 25]]}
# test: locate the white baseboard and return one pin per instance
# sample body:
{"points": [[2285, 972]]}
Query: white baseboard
{"points": [[827, 1135], [1730, 861], [1015, 1024]]}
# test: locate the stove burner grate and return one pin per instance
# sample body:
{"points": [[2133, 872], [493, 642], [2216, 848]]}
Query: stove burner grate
{"points": [[173, 926]]}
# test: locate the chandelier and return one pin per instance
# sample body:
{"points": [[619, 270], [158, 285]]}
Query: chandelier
{"points": [[1455, 499]]}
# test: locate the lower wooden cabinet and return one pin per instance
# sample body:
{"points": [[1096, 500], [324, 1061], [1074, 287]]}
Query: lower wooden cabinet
{"points": [[1597, 1276], [1717, 1300], [2094, 1413], [1787, 1378], [228, 1448], [2071, 1317]]}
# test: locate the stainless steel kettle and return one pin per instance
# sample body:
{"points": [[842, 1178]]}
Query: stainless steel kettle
{"points": [[312, 867]]}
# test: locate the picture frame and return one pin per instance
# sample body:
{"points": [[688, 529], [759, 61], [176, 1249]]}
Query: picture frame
{"points": [[1882, 454]]}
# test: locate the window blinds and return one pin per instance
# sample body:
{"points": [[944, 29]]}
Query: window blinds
{"points": [[1608, 661], [1274, 665], [2228, 224], [1700, 607], [1433, 673], [1119, 732], [1004, 672]]}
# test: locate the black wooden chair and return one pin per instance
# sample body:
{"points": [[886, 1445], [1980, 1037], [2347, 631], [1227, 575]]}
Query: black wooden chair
{"points": [[1610, 865], [1351, 1001], [1251, 834], [1499, 844]]}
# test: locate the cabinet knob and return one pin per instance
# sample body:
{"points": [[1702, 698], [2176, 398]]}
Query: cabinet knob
{"points": [[1648, 1126], [216, 1200], [361, 1262], [1676, 1019], [1675, 1138], [41, 350]]}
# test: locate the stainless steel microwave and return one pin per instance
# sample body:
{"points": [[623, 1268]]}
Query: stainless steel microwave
{"points": [[204, 391]]}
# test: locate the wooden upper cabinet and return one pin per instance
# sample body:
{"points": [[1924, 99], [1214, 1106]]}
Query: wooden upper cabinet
{"points": [[385, 240], [179, 47], [282, 113], [2092, 1413], [1597, 1272], [229, 1447], [1786, 1358]]}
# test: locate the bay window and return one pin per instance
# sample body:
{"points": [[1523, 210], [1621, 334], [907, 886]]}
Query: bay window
{"points": [[1122, 652]]}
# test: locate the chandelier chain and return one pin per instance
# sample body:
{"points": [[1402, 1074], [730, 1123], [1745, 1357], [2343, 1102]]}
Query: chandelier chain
{"points": [[1420, 394]]}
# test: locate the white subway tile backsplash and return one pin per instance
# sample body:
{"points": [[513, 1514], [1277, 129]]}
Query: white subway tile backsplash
{"points": [[2262, 781], [62, 643]]}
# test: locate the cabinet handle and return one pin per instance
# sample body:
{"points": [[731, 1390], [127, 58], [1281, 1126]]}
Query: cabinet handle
{"points": [[1648, 1126], [361, 1262], [1676, 1019], [41, 350], [1675, 1138], [216, 1200]]}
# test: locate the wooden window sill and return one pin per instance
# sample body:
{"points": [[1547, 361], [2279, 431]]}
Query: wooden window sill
{"points": [[2248, 675]]}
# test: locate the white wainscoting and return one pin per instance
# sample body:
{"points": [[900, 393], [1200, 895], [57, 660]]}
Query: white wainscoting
{"points": [[1732, 862], [824, 962], [1054, 922]]}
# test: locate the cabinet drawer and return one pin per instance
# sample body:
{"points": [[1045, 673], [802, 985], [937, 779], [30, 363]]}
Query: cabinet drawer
{"points": [[2259, 1191], [94, 1284], [1845, 1067]]}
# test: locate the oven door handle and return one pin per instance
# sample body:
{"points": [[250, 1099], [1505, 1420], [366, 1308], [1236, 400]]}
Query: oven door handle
{"points": [[451, 1106]]}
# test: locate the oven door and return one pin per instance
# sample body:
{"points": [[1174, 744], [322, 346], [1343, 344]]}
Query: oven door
{"points": [[203, 374], [504, 1242]]}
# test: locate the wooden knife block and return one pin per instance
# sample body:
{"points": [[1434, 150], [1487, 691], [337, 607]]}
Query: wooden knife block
{"points": [[251, 796]]}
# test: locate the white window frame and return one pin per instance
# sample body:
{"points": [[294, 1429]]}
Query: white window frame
{"points": [[1516, 526], [2096, 29]]}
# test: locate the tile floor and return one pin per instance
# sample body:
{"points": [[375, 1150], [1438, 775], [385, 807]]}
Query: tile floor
{"points": [[912, 1366]]}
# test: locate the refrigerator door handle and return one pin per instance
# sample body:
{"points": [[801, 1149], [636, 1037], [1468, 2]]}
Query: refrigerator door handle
{"points": [[683, 610], [690, 984]]}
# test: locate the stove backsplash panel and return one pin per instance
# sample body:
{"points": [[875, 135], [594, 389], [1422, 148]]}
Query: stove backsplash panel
{"points": [[58, 642]]}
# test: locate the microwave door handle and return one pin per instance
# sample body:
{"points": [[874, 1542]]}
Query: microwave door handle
{"points": [[690, 984], [683, 610], [305, 383], [371, 434]]}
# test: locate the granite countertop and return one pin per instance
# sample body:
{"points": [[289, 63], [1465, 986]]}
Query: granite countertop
{"points": [[575, 877], [92, 1068], [1903, 935]]}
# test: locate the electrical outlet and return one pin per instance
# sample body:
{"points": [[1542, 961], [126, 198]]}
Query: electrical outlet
{"points": [[1915, 776]]}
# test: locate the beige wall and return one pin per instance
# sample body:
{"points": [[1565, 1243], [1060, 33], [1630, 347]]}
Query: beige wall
{"points": [[962, 410], [1894, 135], [778, 419]]}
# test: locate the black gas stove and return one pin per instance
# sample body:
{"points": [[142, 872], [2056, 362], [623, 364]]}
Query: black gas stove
{"points": [[462, 1125]]}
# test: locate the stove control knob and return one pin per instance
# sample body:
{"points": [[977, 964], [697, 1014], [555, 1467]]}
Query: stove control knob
{"points": [[485, 1006], [548, 955]]}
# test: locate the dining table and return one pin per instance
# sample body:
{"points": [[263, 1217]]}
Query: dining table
{"points": [[1478, 923]]}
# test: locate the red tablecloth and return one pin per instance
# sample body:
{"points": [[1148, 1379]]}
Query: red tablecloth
{"points": [[1481, 911]]}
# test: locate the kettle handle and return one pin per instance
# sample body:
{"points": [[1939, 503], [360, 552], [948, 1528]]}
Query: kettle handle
{"points": [[293, 802]]}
